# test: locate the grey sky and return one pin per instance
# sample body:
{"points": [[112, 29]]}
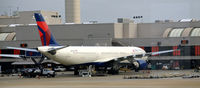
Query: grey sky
{"points": [[110, 10]]}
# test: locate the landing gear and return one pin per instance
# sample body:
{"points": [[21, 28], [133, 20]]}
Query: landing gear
{"points": [[84, 71], [136, 69], [92, 70], [76, 72], [107, 68], [114, 68], [38, 63]]}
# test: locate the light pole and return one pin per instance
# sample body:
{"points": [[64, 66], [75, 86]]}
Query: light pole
{"points": [[138, 19]]}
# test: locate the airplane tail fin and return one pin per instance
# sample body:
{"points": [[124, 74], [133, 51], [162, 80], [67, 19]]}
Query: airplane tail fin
{"points": [[46, 37]]}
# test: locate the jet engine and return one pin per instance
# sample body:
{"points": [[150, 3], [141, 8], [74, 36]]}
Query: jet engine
{"points": [[140, 64]]}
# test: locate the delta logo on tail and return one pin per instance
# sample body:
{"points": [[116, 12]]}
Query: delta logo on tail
{"points": [[45, 34]]}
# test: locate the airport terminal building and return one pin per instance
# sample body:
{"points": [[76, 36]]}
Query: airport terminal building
{"points": [[152, 37]]}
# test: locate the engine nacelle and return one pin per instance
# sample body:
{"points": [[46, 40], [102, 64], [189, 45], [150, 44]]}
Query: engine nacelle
{"points": [[140, 64]]}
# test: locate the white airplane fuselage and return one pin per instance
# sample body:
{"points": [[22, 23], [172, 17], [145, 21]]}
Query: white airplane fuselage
{"points": [[74, 55]]}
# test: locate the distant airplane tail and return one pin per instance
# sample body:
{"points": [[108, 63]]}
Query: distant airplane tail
{"points": [[46, 37]]}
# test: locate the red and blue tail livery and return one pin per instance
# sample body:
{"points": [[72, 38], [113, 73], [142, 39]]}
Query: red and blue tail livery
{"points": [[46, 37]]}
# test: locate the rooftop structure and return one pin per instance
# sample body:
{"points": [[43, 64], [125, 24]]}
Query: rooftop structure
{"points": [[72, 11], [26, 17]]}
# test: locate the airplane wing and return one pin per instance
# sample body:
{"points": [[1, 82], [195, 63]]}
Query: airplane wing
{"points": [[104, 60], [134, 56], [117, 59], [25, 49], [18, 56], [160, 52], [51, 50], [34, 50], [9, 55]]}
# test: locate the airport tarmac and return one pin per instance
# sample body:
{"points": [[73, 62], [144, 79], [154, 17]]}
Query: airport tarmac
{"points": [[67, 80]]}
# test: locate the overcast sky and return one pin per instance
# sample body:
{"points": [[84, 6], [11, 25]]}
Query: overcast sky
{"points": [[109, 10]]}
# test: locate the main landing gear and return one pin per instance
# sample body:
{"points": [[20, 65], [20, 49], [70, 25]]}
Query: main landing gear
{"points": [[111, 68]]}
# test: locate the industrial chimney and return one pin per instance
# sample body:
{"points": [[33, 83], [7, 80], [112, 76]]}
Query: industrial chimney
{"points": [[72, 11]]}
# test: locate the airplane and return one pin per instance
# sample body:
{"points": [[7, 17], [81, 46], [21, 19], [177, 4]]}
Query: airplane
{"points": [[85, 55]]}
